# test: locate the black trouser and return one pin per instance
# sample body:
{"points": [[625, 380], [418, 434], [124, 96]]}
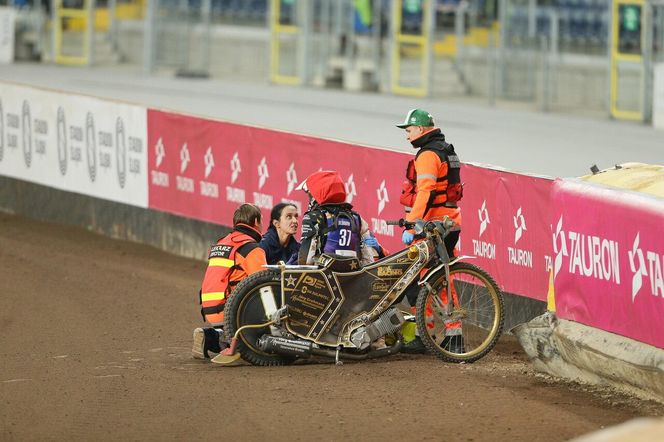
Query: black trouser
{"points": [[413, 289]]}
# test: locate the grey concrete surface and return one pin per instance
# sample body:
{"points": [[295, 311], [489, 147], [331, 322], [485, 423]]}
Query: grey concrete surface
{"points": [[553, 145]]}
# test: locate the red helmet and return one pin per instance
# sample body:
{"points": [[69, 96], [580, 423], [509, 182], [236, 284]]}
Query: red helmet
{"points": [[325, 186]]}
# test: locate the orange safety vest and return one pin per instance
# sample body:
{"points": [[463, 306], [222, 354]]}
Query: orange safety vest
{"points": [[217, 280], [449, 189]]}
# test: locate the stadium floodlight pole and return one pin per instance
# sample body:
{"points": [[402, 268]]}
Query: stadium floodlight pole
{"points": [[149, 36], [350, 54], [305, 18], [323, 42], [532, 19], [90, 34], [376, 30], [648, 86], [460, 32], [430, 25], [112, 24], [609, 55], [500, 74], [206, 35]]}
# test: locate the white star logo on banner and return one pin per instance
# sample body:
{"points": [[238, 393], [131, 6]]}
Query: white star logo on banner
{"points": [[637, 265], [351, 191], [263, 173], [519, 225], [184, 158], [209, 161], [291, 178], [381, 193], [483, 214], [236, 167], [559, 251], [159, 152]]}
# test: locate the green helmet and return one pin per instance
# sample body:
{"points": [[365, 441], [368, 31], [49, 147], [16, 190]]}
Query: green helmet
{"points": [[417, 117]]}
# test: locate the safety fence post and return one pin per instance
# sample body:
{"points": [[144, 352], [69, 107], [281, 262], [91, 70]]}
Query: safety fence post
{"points": [[83, 18]]}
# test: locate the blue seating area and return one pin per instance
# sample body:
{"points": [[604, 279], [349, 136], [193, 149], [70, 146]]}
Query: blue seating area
{"points": [[241, 10], [581, 23]]}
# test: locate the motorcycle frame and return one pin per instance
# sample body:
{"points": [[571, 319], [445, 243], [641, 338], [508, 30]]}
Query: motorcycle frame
{"points": [[426, 250]]}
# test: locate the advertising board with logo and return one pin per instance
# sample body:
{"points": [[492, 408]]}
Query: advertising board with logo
{"points": [[506, 228], [74, 143], [204, 169], [608, 259]]}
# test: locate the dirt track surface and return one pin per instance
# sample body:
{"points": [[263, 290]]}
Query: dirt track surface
{"points": [[95, 340]]}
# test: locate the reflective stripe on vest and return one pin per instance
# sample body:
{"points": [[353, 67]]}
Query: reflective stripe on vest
{"points": [[221, 262], [213, 296]]}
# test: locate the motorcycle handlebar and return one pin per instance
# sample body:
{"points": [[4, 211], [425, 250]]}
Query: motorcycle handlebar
{"points": [[400, 222], [446, 222]]}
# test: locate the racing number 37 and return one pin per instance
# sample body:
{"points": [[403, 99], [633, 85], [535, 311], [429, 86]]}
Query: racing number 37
{"points": [[344, 237]]}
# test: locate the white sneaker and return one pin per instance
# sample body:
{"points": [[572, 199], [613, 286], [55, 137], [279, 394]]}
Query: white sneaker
{"points": [[198, 350]]}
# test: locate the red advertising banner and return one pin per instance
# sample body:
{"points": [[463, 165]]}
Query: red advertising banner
{"points": [[609, 259], [204, 169], [506, 227]]}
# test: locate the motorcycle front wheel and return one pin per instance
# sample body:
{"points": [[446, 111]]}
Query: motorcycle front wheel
{"points": [[460, 320], [246, 306]]}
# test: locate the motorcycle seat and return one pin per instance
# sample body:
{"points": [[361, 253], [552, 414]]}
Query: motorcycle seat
{"points": [[340, 264]]}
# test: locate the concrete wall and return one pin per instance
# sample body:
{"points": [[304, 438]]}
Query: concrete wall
{"points": [[235, 52], [578, 84], [174, 234]]}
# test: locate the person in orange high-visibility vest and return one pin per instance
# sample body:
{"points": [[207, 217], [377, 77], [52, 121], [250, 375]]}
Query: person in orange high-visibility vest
{"points": [[431, 191], [233, 258]]}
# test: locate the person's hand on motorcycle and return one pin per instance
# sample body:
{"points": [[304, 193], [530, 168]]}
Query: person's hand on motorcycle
{"points": [[371, 242], [407, 237]]}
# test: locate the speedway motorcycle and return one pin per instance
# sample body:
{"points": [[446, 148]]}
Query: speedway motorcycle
{"points": [[340, 310]]}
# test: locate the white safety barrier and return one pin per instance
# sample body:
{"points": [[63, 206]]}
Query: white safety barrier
{"points": [[74, 143]]}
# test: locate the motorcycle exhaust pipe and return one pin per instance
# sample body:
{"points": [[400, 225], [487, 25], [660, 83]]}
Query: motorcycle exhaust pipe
{"points": [[305, 349], [286, 347]]}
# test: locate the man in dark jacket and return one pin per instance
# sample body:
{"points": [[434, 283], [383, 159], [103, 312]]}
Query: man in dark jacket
{"points": [[432, 190]]}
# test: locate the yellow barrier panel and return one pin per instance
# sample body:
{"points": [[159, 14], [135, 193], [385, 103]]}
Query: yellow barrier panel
{"points": [[68, 15], [416, 45], [123, 11], [277, 30], [477, 37], [619, 55]]}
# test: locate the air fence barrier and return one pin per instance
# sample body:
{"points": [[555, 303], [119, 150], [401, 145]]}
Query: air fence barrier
{"points": [[609, 259], [188, 174]]}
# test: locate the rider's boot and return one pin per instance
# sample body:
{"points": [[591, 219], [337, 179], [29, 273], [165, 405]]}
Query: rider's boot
{"points": [[207, 343], [411, 342], [416, 346]]}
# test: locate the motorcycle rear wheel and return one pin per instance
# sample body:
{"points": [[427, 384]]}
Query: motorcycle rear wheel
{"points": [[478, 317], [245, 307]]}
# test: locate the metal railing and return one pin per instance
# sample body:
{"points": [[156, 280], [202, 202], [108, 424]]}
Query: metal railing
{"points": [[553, 55]]}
